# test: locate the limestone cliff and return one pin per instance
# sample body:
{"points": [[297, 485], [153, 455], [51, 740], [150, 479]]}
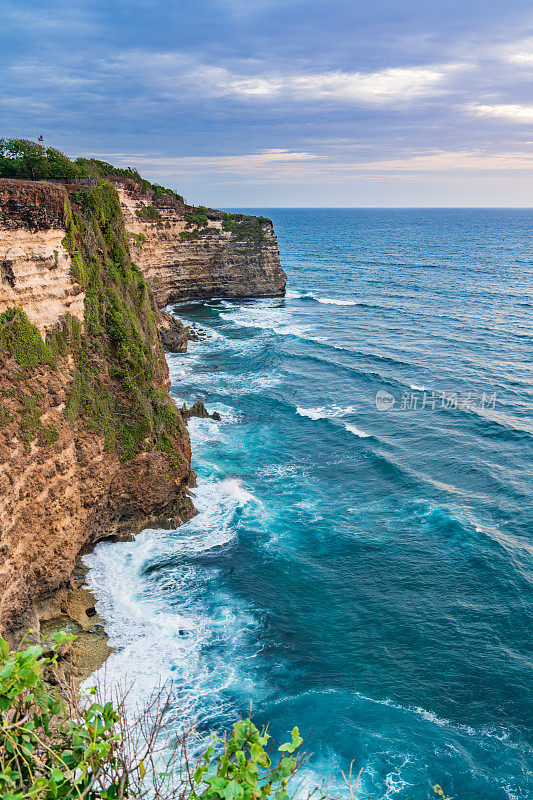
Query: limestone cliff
{"points": [[190, 253], [34, 265], [90, 441]]}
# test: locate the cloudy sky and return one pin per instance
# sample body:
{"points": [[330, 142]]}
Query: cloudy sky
{"points": [[283, 102]]}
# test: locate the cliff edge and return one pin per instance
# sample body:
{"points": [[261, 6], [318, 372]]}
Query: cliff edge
{"points": [[90, 440], [196, 253], [91, 444]]}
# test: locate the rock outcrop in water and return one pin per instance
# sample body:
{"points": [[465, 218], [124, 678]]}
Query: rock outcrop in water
{"points": [[174, 334]]}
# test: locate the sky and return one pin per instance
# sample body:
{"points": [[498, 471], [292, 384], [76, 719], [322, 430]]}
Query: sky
{"points": [[262, 103]]}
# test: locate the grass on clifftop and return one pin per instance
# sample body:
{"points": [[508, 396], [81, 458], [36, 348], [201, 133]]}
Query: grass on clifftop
{"points": [[245, 226], [24, 159]]}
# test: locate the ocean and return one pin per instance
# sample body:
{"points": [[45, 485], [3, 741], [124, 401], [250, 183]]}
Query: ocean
{"points": [[361, 565]]}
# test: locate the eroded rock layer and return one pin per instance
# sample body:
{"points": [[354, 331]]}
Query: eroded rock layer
{"points": [[34, 266], [90, 441], [189, 253]]}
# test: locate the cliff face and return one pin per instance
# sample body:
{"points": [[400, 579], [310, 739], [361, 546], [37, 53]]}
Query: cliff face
{"points": [[34, 265], [189, 253], [90, 442]]}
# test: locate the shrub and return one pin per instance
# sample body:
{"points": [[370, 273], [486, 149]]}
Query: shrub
{"points": [[244, 226], [22, 158], [244, 769], [101, 169], [197, 218], [43, 752], [52, 745], [22, 339], [48, 435], [148, 214], [30, 419], [138, 238], [161, 191]]}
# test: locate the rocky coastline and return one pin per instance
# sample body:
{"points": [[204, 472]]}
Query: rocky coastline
{"points": [[91, 444]]}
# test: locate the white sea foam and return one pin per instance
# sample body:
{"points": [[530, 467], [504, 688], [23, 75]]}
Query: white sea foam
{"points": [[229, 414], [264, 315], [430, 716], [333, 413], [219, 382], [282, 471], [234, 488], [394, 781], [356, 431], [312, 413], [166, 616], [325, 412], [203, 431], [330, 301], [301, 294]]}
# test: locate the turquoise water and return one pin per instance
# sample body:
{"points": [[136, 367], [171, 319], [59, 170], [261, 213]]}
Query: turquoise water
{"points": [[363, 573]]}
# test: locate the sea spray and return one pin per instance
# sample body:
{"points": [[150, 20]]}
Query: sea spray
{"points": [[352, 570]]}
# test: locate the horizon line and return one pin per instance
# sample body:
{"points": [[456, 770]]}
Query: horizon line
{"points": [[396, 208]]}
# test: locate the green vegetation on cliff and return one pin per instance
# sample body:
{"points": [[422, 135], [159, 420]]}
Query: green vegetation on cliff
{"points": [[148, 214], [21, 158], [116, 354], [197, 218], [24, 159], [118, 360], [23, 341], [245, 226], [52, 745]]}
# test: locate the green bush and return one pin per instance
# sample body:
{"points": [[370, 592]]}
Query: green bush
{"points": [[161, 191], [22, 158], [148, 214], [44, 753], [23, 341], [30, 419], [48, 435], [244, 226], [197, 218], [101, 169], [138, 238], [244, 769], [53, 746]]}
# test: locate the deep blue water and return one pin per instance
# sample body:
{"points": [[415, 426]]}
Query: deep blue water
{"points": [[363, 573]]}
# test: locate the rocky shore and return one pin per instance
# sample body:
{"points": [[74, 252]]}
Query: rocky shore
{"points": [[91, 444]]}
